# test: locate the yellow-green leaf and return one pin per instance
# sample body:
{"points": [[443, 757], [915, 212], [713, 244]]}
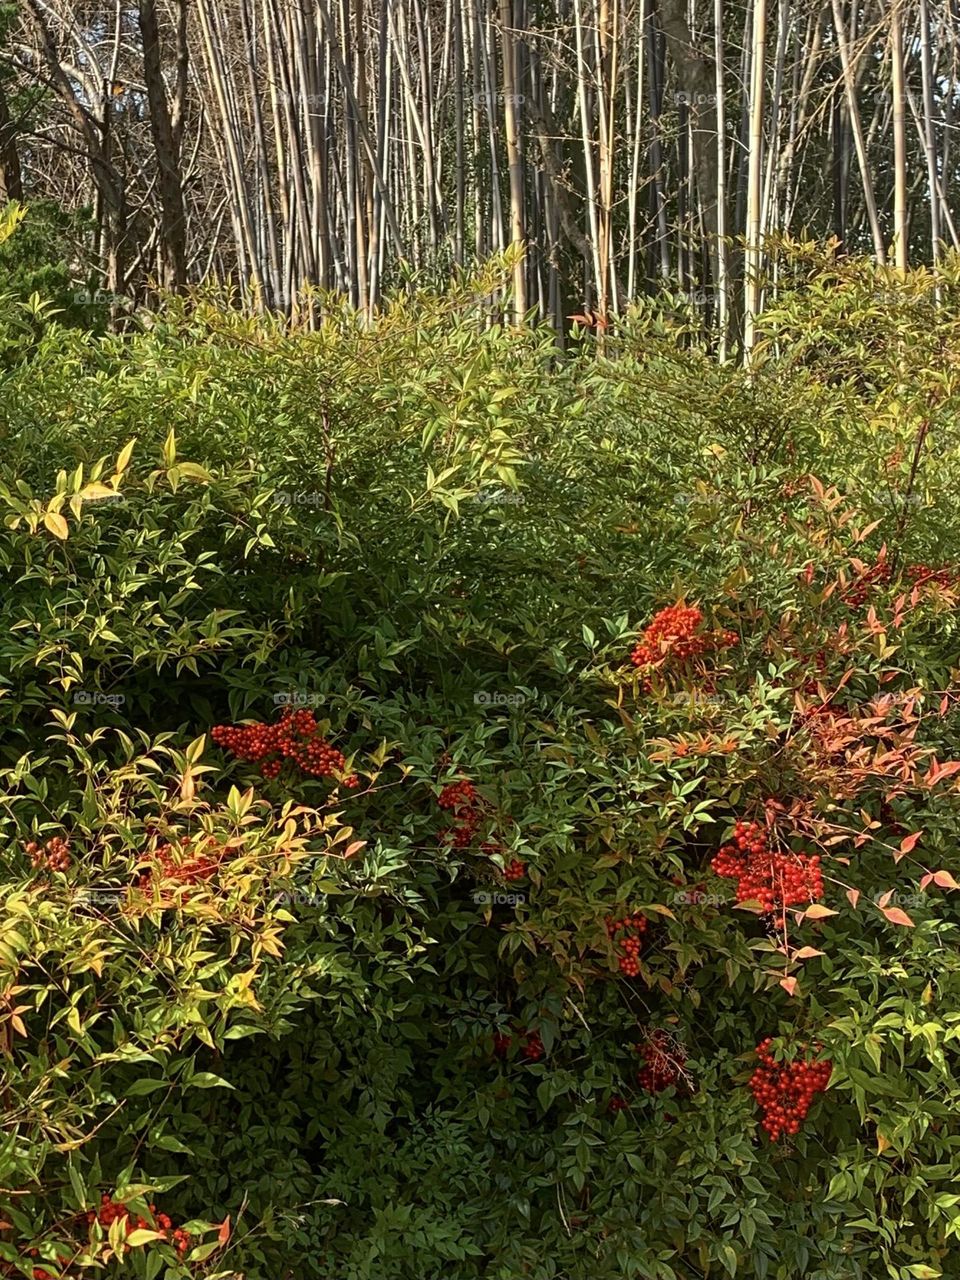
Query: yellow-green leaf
{"points": [[142, 1236], [56, 525], [95, 490], [193, 471]]}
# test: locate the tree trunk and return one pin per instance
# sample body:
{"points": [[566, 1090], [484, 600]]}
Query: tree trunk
{"points": [[11, 179], [853, 112], [900, 231], [173, 231], [697, 76], [753, 252], [514, 163]]}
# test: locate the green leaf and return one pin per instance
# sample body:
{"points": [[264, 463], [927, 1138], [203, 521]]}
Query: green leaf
{"points": [[79, 1190], [728, 1256], [207, 1080], [145, 1085]]}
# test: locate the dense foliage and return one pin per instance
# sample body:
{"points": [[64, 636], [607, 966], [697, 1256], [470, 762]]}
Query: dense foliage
{"points": [[493, 953]]}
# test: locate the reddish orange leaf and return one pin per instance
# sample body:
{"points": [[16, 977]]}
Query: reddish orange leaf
{"points": [[818, 912], [937, 772], [865, 533], [223, 1235], [789, 985], [896, 916], [908, 843], [853, 895], [945, 880], [806, 953]]}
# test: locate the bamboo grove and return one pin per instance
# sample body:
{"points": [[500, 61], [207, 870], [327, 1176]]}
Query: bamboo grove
{"points": [[626, 146]]}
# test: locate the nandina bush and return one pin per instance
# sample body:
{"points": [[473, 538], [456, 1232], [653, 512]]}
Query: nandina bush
{"points": [[368, 909]]}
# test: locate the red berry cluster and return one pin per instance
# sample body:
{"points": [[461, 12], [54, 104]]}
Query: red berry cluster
{"points": [[819, 661], [775, 880], [458, 796], [54, 855], [533, 1046], [876, 576], [111, 1211], [616, 1104], [675, 634], [501, 1044], [664, 1058], [39, 1273], [785, 1090], [922, 574], [189, 871], [462, 801], [631, 930], [530, 1042], [295, 736]]}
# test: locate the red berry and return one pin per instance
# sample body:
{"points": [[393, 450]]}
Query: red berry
{"points": [[785, 1090], [663, 1057], [533, 1047], [675, 635], [774, 879]]}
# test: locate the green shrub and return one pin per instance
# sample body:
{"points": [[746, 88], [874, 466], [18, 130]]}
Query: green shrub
{"points": [[441, 541]]}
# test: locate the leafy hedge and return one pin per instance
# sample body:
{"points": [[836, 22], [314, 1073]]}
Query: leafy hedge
{"points": [[386, 1030]]}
